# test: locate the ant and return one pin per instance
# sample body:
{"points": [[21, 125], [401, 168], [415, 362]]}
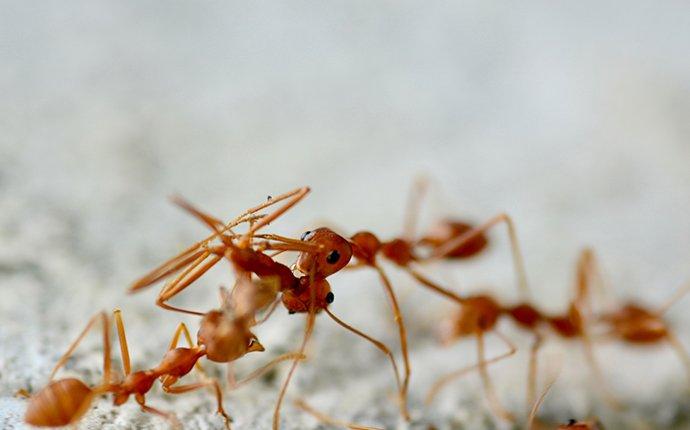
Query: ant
{"points": [[479, 314], [322, 253], [450, 240], [637, 324], [220, 339]]}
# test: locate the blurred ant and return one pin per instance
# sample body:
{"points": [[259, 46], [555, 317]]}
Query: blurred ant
{"points": [[450, 239], [637, 324], [322, 253], [479, 314]]}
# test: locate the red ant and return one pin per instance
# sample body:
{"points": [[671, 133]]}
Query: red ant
{"points": [[450, 240], [322, 253], [221, 339], [479, 314], [637, 324]]}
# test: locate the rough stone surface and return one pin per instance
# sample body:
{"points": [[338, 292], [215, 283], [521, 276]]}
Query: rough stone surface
{"points": [[571, 117]]}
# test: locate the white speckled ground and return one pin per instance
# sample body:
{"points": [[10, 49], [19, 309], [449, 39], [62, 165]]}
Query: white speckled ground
{"points": [[574, 118]]}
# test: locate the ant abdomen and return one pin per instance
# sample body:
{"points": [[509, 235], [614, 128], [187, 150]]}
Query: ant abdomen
{"points": [[447, 230], [60, 403], [335, 253]]}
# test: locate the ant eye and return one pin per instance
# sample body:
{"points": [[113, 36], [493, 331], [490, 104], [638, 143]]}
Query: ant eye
{"points": [[330, 297], [333, 257], [305, 235]]}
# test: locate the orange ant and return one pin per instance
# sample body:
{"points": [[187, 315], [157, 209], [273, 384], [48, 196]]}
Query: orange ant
{"points": [[322, 253], [450, 240], [479, 314], [220, 339], [637, 324]]}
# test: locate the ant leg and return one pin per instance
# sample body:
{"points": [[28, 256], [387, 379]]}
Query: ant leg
{"points": [[444, 380], [609, 397], [272, 307], [212, 222], [266, 367], [417, 192], [180, 389], [681, 351], [122, 338], [533, 366], [489, 390], [308, 329], [186, 278], [537, 404], [166, 269], [106, 347], [518, 260], [167, 415], [682, 291], [380, 345], [402, 332], [433, 286], [294, 197], [301, 404]]}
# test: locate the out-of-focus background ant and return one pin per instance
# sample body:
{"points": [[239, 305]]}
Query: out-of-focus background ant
{"points": [[571, 118]]}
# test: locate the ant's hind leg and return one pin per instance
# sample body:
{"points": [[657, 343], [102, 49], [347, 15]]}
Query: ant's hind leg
{"points": [[182, 329], [444, 380], [380, 345], [682, 353], [106, 346], [122, 338], [489, 390], [174, 422], [518, 260], [402, 332], [180, 389], [532, 372], [301, 404]]}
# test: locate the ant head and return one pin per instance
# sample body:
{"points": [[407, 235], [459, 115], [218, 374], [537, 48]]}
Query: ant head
{"points": [[225, 338], [447, 230], [300, 299], [335, 253], [365, 246], [42, 405]]}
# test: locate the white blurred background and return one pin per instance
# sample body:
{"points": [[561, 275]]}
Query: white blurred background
{"points": [[572, 117]]}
